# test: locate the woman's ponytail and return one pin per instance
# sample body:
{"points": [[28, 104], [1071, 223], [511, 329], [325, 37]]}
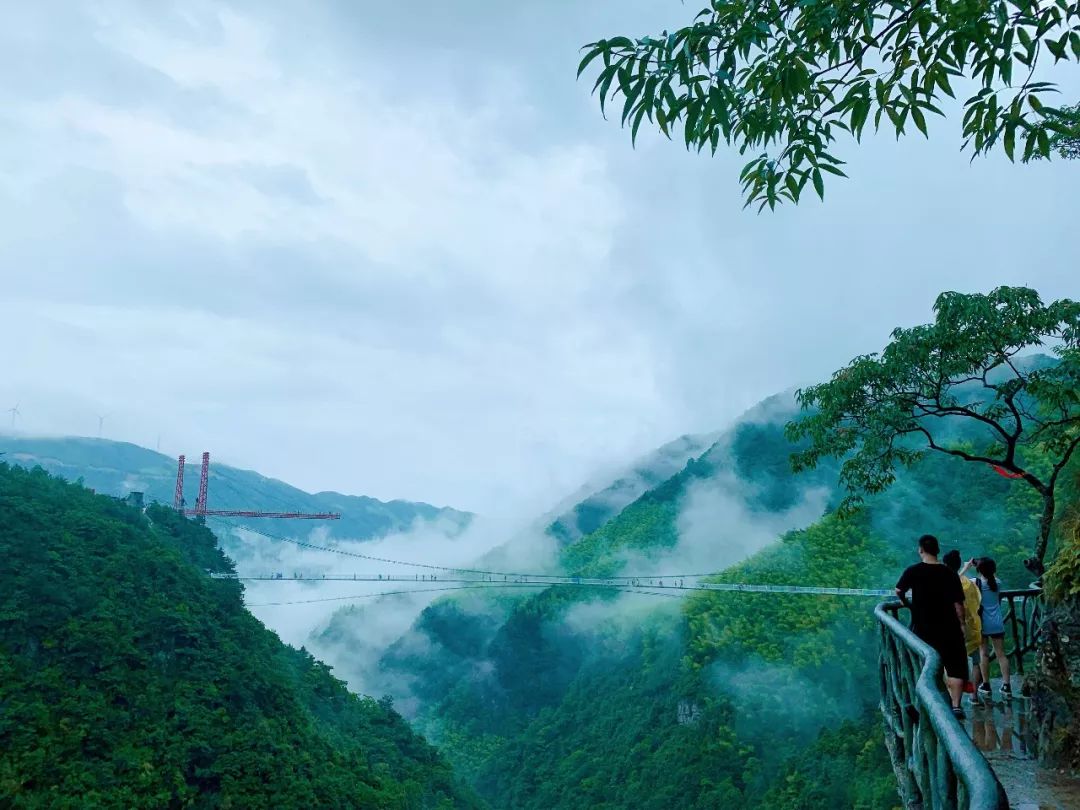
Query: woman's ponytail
{"points": [[987, 568]]}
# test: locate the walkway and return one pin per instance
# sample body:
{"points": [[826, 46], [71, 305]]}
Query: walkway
{"points": [[1007, 740]]}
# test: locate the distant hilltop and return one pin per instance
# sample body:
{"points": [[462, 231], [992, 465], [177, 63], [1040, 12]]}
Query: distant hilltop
{"points": [[120, 468]]}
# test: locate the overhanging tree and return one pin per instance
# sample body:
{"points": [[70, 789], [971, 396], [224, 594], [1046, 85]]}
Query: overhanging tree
{"points": [[1066, 140], [783, 79], [890, 409]]}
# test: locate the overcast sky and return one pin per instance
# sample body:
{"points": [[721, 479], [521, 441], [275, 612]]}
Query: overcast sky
{"points": [[394, 249]]}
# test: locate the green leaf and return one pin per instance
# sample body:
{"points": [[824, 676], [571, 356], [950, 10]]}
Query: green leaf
{"points": [[792, 186], [636, 124], [1029, 144], [631, 97], [819, 184], [1044, 142], [942, 78], [589, 57], [605, 85], [920, 120]]}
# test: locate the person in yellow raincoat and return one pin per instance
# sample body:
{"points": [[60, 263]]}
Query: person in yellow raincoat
{"points": [[973, 625]]}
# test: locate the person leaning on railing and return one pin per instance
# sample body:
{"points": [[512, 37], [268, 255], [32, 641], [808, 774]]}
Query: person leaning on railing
{"points": [[937, 613]]}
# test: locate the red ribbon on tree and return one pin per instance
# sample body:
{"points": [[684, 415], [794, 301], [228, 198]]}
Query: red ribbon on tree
{"points": [[1002, 471]]}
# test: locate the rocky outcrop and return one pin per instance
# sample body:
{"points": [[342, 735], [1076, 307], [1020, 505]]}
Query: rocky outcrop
{"points": [[687, 713], [1055, 687]]}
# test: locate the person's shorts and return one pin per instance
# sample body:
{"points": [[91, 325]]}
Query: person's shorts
{"points": [[953, 654], [994, 635]]}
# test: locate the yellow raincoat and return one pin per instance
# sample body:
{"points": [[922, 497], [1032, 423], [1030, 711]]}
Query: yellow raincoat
{"points": [[973, 628]]}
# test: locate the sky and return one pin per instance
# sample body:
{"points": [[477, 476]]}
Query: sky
{"points": [[395, 250]]}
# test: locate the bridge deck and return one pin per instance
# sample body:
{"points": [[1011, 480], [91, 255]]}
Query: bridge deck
{"points": [[1007, 739]]}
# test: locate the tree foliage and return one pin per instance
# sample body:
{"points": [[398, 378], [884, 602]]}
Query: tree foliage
{"points": [[783, 80], [129, 678], [1065, 139], [961, 372]]}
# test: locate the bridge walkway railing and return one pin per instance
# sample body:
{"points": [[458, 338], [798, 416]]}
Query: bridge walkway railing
{"points": [[937, 766]]}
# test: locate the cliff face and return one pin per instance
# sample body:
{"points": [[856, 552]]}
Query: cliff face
{"points": [[1056, 687]]}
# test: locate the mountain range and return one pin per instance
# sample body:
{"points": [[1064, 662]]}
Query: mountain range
{"points": [[119, 468]]}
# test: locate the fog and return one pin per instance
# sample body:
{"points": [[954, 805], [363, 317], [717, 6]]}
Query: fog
{"points": [[296, 609]]}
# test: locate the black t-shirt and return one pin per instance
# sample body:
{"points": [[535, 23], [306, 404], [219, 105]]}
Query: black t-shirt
{"points": [[935, 592]]}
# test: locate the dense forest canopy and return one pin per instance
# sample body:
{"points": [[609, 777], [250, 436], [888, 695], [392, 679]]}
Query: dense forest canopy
{"points": [[129, 678]]}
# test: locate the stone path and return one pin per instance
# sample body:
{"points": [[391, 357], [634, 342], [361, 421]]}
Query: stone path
{"points": [[1003, 734]]}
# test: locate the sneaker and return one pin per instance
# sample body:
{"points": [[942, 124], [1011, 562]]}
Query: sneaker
{"points": [[958, 712], [1006, 692], [984, 693]]}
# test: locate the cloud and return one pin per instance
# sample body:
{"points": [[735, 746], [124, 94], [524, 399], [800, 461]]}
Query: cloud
{"points": [[717, 528], [350, 624], [398, 252], [370, 252], [770, 696]]}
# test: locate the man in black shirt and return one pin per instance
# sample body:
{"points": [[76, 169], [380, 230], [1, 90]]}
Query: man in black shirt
{"points": [[937, 613]]}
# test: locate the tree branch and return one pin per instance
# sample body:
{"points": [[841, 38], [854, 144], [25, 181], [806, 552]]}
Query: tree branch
{"points": [[1038, 485], [1064, 460]]}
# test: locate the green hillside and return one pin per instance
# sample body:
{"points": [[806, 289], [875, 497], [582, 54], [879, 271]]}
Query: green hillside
{"points": [[599, 505], [717, 700], [117, 468], [131, 679]]}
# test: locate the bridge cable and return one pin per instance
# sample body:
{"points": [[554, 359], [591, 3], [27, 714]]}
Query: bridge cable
{"points": [[615, 580], [431, 567]]}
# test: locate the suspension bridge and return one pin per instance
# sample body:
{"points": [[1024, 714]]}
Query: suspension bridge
{"points": [[655, 584]]}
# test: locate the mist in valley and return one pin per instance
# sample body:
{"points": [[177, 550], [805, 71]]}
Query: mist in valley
{"points": [[354, 626]]}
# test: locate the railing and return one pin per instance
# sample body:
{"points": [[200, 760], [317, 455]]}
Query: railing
{"points": [[1023, 617], [935, 762]]}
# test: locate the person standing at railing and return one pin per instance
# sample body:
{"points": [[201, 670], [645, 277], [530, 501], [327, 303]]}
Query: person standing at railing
{"points": [[937, 613], [973, 625], [993, 627]]}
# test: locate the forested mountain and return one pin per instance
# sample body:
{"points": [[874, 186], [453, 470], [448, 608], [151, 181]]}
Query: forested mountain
{"points": [[117, 468], [596, 505], [567, 699], [130, 678]]}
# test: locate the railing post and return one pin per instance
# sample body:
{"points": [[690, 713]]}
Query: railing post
{"points": [[1018, 648]]}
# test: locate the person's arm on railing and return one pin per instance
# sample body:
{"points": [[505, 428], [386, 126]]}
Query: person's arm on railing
{"points": [[903, 585]]}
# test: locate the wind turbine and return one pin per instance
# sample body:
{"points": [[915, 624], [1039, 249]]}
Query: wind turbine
{"points": [[14, 412], [101, 424]]}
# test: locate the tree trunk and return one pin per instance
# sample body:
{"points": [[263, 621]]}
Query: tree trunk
{"points": [[1046, 522]]}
